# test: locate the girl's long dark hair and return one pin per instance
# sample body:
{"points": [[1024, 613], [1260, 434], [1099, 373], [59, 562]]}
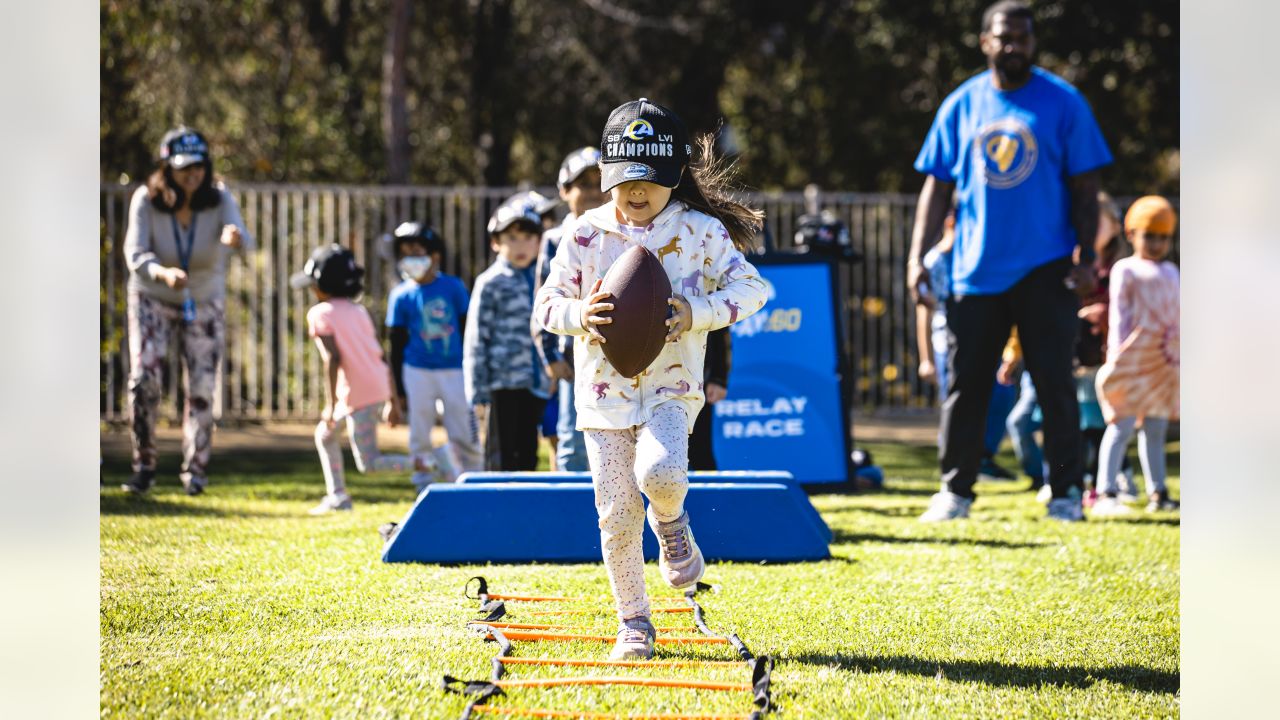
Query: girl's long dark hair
{"points": [[206, 196], [708, 186]]}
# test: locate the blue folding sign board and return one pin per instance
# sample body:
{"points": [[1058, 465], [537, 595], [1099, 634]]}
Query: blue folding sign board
{"points": [[785, 408]]}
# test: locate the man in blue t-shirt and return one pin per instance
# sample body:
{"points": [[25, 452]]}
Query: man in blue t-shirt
{"points": [[1020, 149], [426, 314]]}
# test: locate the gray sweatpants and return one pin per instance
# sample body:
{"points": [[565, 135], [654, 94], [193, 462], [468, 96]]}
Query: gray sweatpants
{"points": [[424, 388], [1115, 441]]}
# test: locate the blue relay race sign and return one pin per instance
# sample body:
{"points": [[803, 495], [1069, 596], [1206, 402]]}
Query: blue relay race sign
{"points": [[785, 408]]}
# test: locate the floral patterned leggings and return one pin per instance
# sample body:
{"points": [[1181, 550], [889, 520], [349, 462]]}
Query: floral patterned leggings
{"points": [[362, 429], [652, 459], [152, 326]]}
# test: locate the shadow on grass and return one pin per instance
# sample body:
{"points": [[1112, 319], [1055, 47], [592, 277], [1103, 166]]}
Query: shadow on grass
{"points": [[161, 505], [910, 511], [1136, 677], [846, 489], [275, 475], [840, 536], [1145, 520]]}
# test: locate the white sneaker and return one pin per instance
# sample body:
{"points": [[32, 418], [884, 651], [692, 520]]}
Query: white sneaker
{"points": [[1044, 494], [330, 503], [1127, 497], [635, 640], [426, 470], [945, 506], [1107, 506]]}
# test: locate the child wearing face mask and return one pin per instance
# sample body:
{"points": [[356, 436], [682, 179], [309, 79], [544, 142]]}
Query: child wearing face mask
{"points": [[1138, 386], [426, 313]]}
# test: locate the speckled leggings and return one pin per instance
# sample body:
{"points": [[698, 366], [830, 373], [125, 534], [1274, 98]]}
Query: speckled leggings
{"points": [[652, 459], [362, 428]]}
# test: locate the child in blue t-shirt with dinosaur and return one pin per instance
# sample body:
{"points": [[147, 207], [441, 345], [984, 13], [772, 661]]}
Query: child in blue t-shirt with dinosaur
{"points": [[425, 314]]}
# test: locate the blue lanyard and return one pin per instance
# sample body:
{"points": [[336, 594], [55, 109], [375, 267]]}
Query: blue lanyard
{"points": [[184, 253]]}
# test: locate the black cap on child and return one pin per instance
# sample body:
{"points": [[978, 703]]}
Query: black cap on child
{"points": [[333, 269], [643, 141]]}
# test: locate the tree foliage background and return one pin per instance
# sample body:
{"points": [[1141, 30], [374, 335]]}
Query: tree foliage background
{"points": [[495, 92]]}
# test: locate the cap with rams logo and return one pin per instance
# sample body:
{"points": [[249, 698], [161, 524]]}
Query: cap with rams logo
{"points": [[643, 141], [183, 146]]}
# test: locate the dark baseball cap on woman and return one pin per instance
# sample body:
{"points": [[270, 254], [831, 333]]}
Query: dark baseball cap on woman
{"points": [[183, 146], [643, 141]]}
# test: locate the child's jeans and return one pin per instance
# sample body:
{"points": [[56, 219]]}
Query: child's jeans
{"points": [[571, 453], [1022, 427], [652, 459], [362, 429]]}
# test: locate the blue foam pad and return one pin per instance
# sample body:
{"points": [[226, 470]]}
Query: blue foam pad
{"points": [[556, 522], [779, 477]]}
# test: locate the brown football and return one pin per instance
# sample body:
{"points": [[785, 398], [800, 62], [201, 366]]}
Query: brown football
{"points": [[640, 290]]}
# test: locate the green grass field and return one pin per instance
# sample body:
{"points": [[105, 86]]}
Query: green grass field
{"points": [[238, 604]]}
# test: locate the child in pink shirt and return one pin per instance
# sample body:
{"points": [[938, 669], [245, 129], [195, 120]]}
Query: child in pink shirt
{"points": [[359, 382]]}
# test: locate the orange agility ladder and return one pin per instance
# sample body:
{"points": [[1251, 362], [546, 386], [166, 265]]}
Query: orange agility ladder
{"points": [[492, 605], [581, 715]]}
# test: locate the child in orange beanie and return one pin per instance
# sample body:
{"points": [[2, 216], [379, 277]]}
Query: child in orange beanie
{"points": [[1139, 382]]}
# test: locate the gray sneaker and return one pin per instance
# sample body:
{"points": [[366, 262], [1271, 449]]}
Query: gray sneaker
{"points": [[141, 482], [635, 640], [330, 503], [1068, 509], [679, 559], [946, 506]]}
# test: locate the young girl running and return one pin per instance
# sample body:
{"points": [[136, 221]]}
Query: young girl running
{"points": [[1139, 382], [637, 429], [359, 382]]}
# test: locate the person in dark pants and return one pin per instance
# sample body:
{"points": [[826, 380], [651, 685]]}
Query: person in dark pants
{"points": [[1021, 149], [716, 385], [500, 370]]}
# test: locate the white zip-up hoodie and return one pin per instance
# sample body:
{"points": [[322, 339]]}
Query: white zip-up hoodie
{"points": [[702, 264]]}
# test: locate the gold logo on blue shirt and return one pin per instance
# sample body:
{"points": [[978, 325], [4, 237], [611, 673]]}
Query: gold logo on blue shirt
{"points": [[1008, 150]]}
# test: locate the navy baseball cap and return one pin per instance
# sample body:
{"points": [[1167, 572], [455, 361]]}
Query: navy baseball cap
{"points": [[183, 146], [577, 162], [643, 141]]}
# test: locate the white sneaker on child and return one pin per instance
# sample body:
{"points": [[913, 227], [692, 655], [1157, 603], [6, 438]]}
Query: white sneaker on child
{"points": [[426, 470], [679, 559], [635, 640], [330, 503], [945, 506], [1044, 494], [1108, 506]]}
